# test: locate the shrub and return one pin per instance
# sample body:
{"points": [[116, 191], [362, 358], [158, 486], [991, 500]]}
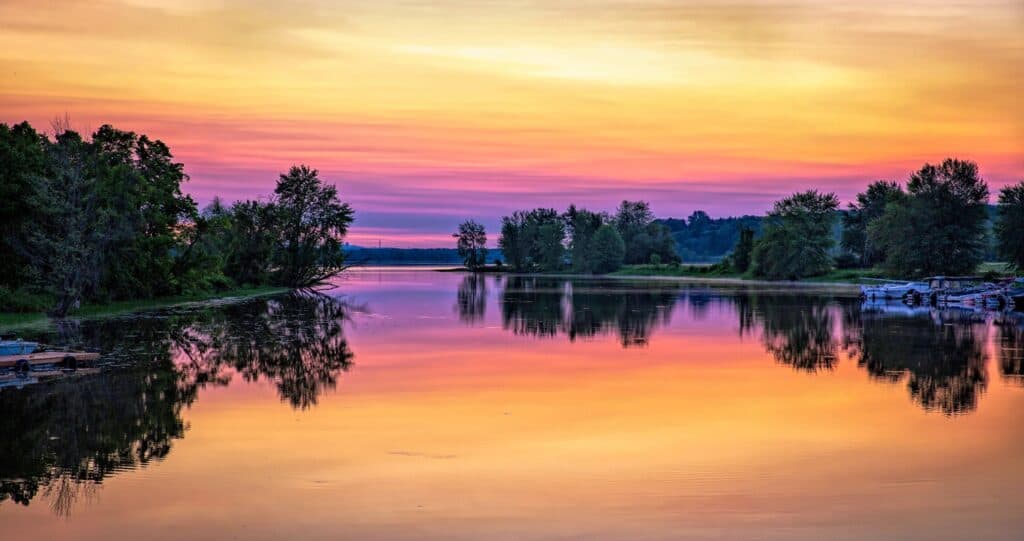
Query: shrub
{"points": [[847, 260], [19, 300]]}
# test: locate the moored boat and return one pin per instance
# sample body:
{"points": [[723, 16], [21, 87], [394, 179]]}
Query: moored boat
{"points": [[17, 347], [894, 291]]}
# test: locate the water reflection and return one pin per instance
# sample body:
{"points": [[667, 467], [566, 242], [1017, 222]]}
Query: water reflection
{"points": [[63, 438], [796, 330], [940, 354], [471, 298], [548, 307], [1010, 347]]}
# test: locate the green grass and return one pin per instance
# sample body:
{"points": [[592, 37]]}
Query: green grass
{"points": [[710, 271], [688, 271], [849, 276], [994, 266], [16, 319], [485, 268]]}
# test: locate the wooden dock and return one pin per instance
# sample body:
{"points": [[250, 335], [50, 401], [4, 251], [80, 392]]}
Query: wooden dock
{"points": [[71, 359]]}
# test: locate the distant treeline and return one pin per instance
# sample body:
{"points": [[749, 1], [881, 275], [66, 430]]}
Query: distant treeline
{"points": [[939, 222], [577, 240], [359, 255], [703, 239], [103, 218]]}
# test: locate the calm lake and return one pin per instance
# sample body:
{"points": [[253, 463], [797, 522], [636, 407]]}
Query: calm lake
{"points": [[412, 404]]}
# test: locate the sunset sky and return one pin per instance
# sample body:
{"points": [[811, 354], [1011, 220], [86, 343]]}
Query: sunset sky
{"points": [[429, 112]]}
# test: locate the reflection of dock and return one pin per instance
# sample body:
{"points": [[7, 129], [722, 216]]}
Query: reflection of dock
{"points": [[894, 308], [29, 368]]}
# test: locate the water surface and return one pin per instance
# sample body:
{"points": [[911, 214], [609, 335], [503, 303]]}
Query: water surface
{"points": [[409, 404]]}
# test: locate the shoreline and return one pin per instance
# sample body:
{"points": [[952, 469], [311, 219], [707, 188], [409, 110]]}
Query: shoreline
{"points": [[822, 283], [12, 320]]}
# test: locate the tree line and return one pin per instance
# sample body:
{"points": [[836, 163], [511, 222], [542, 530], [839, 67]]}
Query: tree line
{"points": [[937, 223], [103, 218], [577, 240]]}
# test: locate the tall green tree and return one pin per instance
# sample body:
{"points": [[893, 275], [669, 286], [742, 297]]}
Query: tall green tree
{"points": [[741, 254], [870, 206], [607, 249], [940, 227], [253, 238], [22, 158], [207, 245], [1009, 227], [581, 226], [533, 240], [549, 247], [631, 221], [797, 237], [642, 236], [140, 184], [74, 231], [513, 241], [311, 225], [471, 243]]}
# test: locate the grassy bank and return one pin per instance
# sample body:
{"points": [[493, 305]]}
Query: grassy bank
{"points": [[23, 319], [485, 268], [852, 276]]}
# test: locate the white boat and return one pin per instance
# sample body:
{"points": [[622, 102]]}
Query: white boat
{"points": [[894, 291]]}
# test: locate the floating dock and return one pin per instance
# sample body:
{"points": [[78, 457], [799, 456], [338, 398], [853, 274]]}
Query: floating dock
{"points": [[69, 359]]}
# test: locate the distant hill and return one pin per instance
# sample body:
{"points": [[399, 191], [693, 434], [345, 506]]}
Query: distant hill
{"points": [[358, 255]]}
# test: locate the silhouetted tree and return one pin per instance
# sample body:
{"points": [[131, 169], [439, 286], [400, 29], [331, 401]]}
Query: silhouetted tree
{"points": [[22, 159], [642, 236], [797, 237], [940, 227], [1010, 225], [607, 250], [741, 254], [869, 207], [581, 226], [74, 230], [311, 224], [471, 243], [533, 240]]}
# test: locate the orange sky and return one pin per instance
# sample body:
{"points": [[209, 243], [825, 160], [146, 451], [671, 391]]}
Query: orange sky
{"points": [[426, 113]]}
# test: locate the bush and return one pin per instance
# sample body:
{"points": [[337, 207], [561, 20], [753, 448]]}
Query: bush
{"points": [[19, 300], [608, 250], [990, 276], [655, 260], [847, 260]]}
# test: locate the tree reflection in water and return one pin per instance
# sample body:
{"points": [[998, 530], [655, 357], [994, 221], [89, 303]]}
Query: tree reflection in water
{"points": [[548, 307], [797, 331], [471, 298], [940, 354], [1010, 347], [63, 438]]}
